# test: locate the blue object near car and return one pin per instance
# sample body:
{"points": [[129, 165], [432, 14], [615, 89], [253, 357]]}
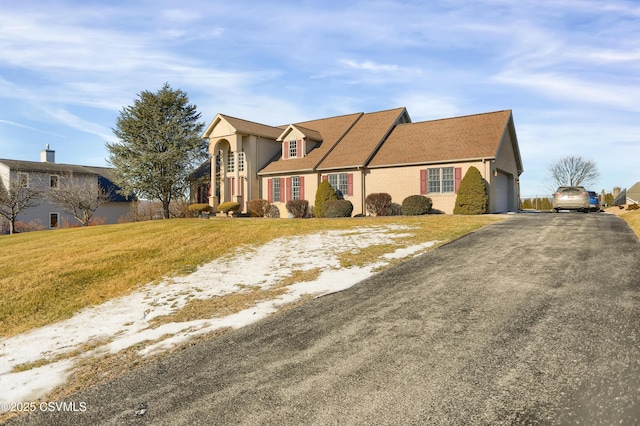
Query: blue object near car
{"points": [[594, 201]]}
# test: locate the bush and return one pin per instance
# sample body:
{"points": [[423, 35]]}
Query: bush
{"points": [[338, 208], [324, 194], [274, 212], [199, 208], [298, 208], [472, 194], [259, 208], [395, 209], [378, 204], [415, 205], [229, 207]]}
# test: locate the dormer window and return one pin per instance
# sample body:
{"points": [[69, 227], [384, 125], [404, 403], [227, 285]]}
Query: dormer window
{"points": [[293, 149]]}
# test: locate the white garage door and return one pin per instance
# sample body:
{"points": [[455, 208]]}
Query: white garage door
{"points": [[501, 192]]}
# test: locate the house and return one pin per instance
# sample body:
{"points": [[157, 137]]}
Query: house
{"points": [[47, 175], [628, 196], [360, 154]]}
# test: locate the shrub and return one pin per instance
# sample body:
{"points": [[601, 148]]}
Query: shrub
{"points": [[259, 208], [472, 194], [395, 209], [324, 194], [229, 207], [199, 208], [378, 204], [338, 208], [415, 205], [298, 208], [274, 212]]}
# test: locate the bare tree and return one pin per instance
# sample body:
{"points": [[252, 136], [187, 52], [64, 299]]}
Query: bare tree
{"points": [[79, 197], [573, 171], [16, 199]]}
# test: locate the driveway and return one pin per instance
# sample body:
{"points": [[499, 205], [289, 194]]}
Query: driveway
{"points": [[533, 320]]}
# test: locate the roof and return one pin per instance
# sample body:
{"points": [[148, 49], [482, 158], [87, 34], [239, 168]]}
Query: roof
{"points": [[246, 127], [332, 130], [202, 172], [452, 139], [362, 141], [47, 167], [309, 133]]}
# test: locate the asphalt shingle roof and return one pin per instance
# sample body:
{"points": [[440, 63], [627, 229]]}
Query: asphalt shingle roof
{"points": [[459, 138]]}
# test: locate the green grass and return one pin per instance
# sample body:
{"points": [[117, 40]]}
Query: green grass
{"points": [[47, 276]]}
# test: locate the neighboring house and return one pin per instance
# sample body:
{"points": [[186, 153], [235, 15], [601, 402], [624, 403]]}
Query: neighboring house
{"points": [[47, 176], [628, 196], [360, 154]]}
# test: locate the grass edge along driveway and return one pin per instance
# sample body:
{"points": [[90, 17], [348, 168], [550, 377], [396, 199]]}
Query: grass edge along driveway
{"points": [[50, 275]]}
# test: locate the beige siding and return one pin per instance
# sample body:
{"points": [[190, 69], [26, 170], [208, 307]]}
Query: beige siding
{"points": [[505, 164], [401, 182]]}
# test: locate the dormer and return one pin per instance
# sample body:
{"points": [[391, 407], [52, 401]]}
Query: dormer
{"points": [[297, 141]]}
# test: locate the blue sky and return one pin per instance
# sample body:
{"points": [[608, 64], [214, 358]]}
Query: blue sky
{"points": [[569, 69]]}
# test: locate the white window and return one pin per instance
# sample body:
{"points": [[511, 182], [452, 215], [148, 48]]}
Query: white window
{"points": [[340, 183], [241, 161], [295, 188], [231, 162], [434, 180], [23, 179], [275, 188], [53, 182], [441, 180], [293, 150], [54, 220]]}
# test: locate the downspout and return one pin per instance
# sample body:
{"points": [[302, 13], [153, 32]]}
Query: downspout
{"points": [[364, 188]]}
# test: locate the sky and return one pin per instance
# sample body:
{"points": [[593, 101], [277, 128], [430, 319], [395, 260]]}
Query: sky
{"points": [[125, 322], [568, 69]]}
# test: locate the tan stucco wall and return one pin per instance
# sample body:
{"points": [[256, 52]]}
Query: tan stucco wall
{"points": [[401, 182], [505, 163]]}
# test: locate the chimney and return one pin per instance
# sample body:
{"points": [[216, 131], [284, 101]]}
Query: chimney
{"points": [[47, 155]]}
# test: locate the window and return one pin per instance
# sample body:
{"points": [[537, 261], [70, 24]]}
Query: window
{"points": [[295, 188], [275, 190], [447, 179], [340, 182], [231, 162], [23, 179], [293, 149], [441, 180], [53, 220], [53, 182], [241, 161], [434, 180]]}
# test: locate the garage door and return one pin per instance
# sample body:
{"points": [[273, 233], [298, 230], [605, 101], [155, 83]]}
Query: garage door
{"points": [[501, 192]]}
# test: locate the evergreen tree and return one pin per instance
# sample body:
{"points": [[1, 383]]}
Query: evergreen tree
{"points": [[472, 194], [159, 146], [324, 194]]}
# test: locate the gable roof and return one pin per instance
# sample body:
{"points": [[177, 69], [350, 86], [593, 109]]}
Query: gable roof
{"points": [[332, 130], [362, 141], [446, 140], [309, 133], [245, 127]]}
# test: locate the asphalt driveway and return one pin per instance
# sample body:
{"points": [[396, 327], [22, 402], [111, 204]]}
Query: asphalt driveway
{"points": [[533, 320]]}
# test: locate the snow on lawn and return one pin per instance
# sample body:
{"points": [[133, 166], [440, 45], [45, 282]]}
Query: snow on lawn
{"points": [[123, 322]]}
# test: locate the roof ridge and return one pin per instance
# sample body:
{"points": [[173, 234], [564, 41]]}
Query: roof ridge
{"points": [[248, 121], [458, 117]]}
